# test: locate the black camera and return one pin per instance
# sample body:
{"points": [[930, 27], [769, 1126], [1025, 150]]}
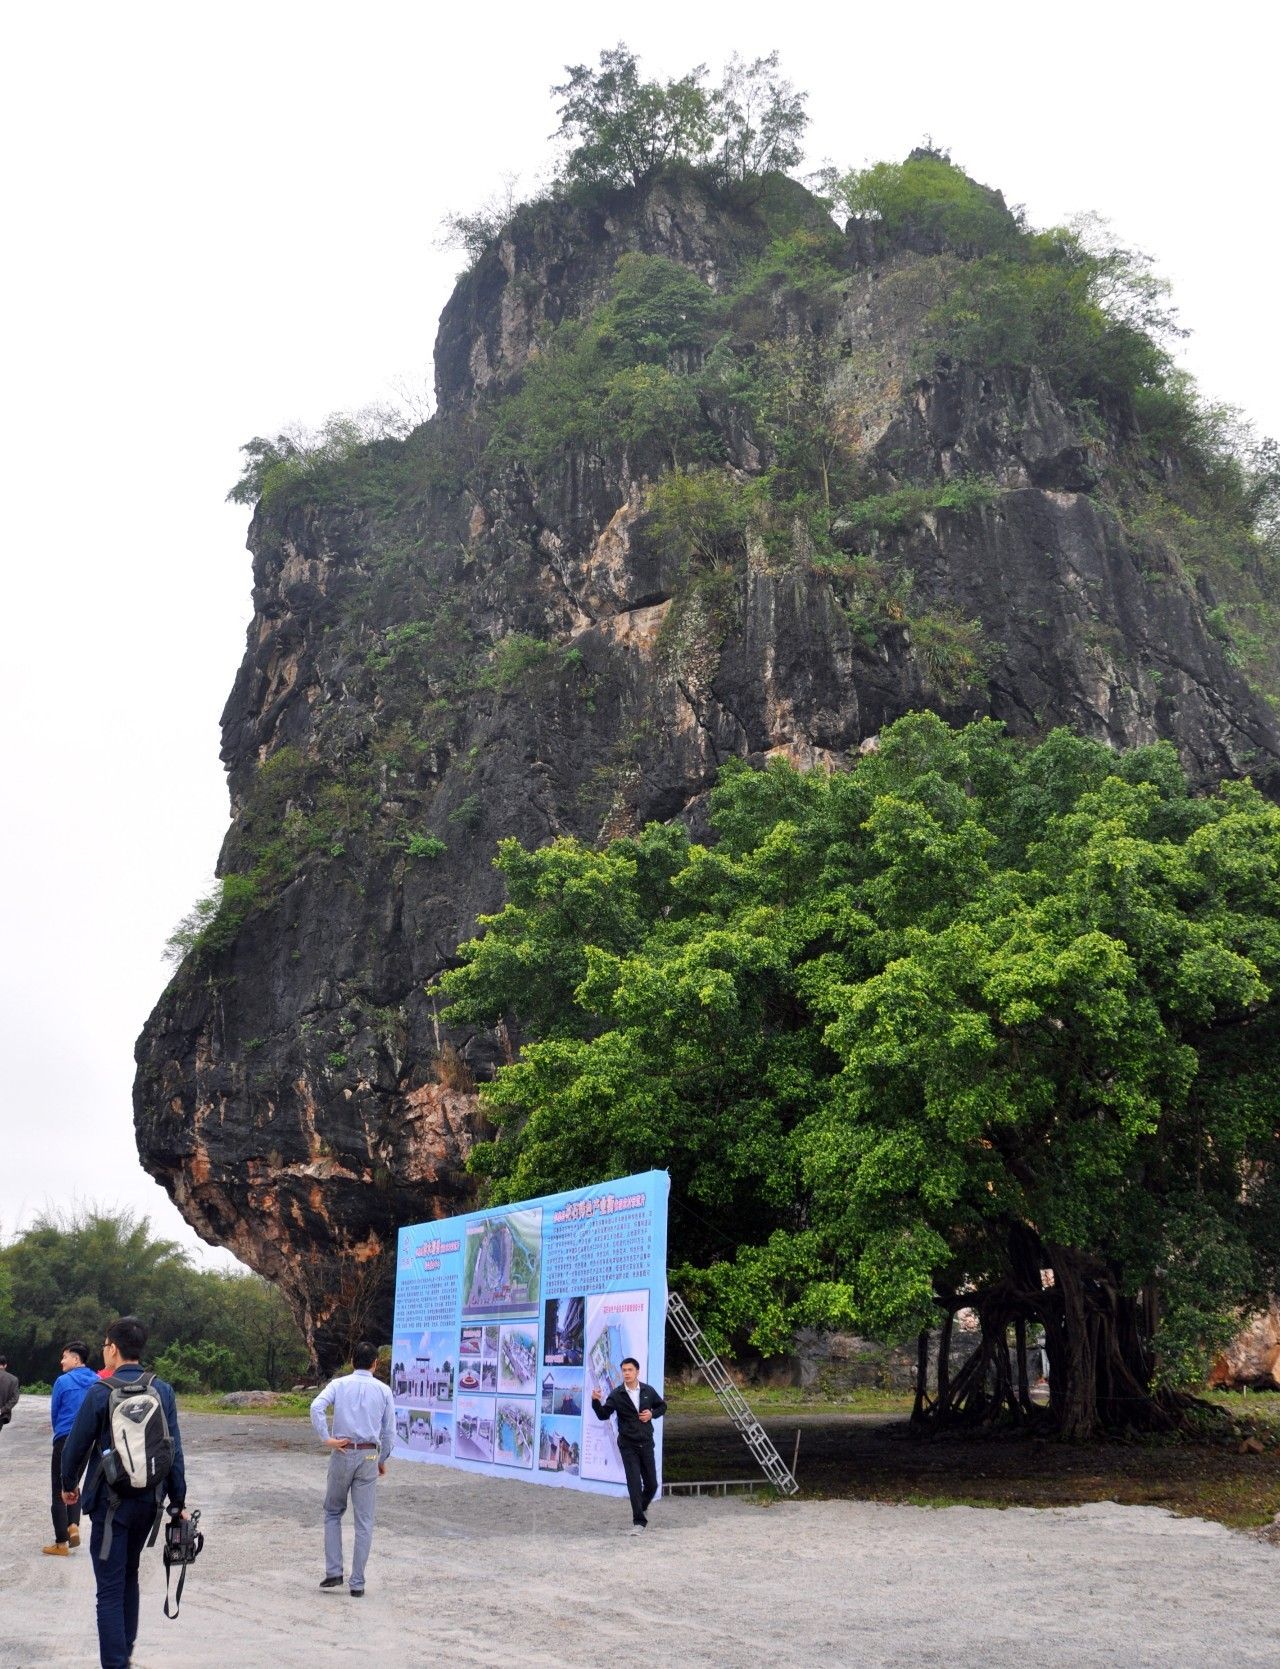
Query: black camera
{"points": [[182, 1542], [182, 1539]]}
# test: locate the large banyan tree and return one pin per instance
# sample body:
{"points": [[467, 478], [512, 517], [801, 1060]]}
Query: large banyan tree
{"points": [[973, 1025]]}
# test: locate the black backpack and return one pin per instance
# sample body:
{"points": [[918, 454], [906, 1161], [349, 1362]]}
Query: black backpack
{"points": [[138, 1454]]}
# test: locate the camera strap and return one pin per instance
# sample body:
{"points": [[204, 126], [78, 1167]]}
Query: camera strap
{"points": [[182, 1543]]}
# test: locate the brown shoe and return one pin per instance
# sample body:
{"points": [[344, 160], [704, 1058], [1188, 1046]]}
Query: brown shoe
{"points": [[73, 1535], [58, 1549]]}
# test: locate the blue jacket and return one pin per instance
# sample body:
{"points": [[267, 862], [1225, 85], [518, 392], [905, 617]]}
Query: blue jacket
{"points": [[68, 1393], [87, 1438]]}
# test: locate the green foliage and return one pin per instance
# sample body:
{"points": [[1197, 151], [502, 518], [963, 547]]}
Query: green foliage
{"points": [[309, 457], [930, 197], [430, 657], [883, 513], [293, 812], [468, 814], [474, 232], [1084, 318], [796, 400], [512, 659], [1213, 518], [71, 1276], [703, 514], [618, 375], [202, 1367], [952, 653], [424, 846], [760, 119], [896, 1012], [213, 921], [650, 408], [624, 130], [656, 309], [801, 264], [1087, 312]]}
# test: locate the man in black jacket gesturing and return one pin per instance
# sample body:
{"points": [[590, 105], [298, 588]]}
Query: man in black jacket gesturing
{"points": [[637, 1406]]}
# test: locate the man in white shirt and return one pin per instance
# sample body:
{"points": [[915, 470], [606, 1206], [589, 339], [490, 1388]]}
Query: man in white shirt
{"points": [[364, 1430]]}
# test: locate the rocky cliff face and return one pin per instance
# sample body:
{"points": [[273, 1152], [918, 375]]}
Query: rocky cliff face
{"points": [[452, 645]]}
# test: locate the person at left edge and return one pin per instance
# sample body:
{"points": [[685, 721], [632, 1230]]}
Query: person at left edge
{"points": [[364, 1431], [8, 1392], [69, 1391], [117, 1574]]}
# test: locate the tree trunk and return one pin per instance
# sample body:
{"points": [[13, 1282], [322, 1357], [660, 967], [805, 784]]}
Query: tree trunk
{"points": [[1097, 1341], [922, 1377], [1024, 1390], [1073, 1380]]}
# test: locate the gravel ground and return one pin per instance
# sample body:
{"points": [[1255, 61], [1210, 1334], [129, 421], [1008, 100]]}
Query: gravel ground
{"points": [[477, 1571]]}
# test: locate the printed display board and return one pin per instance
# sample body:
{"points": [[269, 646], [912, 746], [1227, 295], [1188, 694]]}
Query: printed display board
{"points": [[506, 1321]]}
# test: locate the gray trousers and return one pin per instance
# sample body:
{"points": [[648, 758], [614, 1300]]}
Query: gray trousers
{"points": [[352, 1473]]}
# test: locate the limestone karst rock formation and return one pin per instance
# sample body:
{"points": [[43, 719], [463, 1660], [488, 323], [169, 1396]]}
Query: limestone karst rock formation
{"points": [[1252, 1358], [454, 642]]}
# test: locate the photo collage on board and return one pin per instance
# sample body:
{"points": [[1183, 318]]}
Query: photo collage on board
{"points": [[560, 1386], [424, 1373], [496, 1416]]}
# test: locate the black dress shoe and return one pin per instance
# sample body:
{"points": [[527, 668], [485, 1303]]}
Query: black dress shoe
{"points": [[357, 1593], [332, 1582]]}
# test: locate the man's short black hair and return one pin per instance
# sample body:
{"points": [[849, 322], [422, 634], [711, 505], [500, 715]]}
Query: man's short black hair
{"points": [[364, 1355], [632, 1361], [129, 1336], [4, 1361], [77, 1347]]}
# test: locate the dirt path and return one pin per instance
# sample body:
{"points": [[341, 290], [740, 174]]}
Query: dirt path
{"points": [[473, 1571]]}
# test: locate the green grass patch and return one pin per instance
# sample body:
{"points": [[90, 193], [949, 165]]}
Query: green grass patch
{"points": [[701, 1399], [292, 1405]]}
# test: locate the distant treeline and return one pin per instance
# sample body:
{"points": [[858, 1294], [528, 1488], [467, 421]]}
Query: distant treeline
{"points": [[68, 1277]]}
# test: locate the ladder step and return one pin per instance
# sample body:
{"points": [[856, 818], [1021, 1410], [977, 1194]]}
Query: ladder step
{"points": [[731, 1399]]}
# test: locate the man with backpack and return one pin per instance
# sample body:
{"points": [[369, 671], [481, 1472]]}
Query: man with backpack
{"points": [[127, 1434], [69, 1390]]}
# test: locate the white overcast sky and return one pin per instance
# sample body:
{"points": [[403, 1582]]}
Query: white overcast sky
{"points": [[220, 220]]}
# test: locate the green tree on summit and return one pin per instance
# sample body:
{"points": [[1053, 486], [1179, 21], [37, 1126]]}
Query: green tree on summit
{"points": [[625, 130], [761, 120]]}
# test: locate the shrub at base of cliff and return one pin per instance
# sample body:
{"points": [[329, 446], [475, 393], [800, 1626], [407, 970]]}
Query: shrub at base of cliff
{"points": [[974, 1025]]}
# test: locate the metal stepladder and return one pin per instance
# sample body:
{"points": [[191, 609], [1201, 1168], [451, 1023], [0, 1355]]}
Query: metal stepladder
{"points": [[730, 1398]]}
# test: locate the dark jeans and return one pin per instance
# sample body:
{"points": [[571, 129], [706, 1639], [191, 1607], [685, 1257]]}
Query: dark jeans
{"points": [[117, 1576], [642, 1477], [62, 1514]]}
